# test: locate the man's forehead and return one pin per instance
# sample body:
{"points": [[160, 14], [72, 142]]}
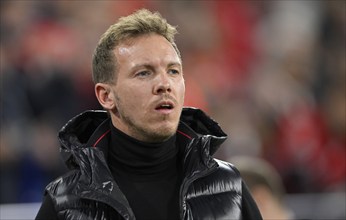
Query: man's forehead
{"points": [[132, 47], [122, 50]]}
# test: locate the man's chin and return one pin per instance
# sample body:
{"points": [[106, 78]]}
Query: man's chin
{"points": [[163, 134]]}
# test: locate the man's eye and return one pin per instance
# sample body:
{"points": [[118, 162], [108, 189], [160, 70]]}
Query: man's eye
{"points": [[173, 71], [143, 74]]}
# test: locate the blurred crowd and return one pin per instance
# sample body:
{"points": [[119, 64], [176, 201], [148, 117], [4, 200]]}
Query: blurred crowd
{"points": [[272, 73]]}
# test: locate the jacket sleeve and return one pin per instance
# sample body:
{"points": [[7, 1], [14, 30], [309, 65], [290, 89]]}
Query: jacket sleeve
{"points": [[47, 210], [250, 210]]}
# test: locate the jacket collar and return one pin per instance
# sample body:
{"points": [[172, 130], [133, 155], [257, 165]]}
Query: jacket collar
{"points": [[90, 129], [197, 124]]}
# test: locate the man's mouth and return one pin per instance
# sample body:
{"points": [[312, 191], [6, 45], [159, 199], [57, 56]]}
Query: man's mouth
{"points": [[164, 106]]}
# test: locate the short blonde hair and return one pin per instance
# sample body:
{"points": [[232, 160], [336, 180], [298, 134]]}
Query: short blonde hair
{"points": [[141, 22]]}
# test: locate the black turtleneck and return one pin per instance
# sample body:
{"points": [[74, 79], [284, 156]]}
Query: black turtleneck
{"points": [[147, 173]]}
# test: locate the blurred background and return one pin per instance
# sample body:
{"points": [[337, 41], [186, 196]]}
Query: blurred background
{"points": [[272, 73]]}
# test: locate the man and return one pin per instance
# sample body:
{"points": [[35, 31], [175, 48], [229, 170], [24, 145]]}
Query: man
{"points": [[146, 157]]}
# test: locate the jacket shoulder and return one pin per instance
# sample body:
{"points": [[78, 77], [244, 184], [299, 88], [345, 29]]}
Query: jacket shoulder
{"points": [[217, 195], [69, 204], [63, 184], [226, 177], [61, 190], [228, 168]]}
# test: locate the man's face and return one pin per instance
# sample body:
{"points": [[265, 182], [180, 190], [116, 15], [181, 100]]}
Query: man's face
{"points": [[149, 91]]}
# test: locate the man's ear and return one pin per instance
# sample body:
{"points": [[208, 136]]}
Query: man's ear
{"points": [[105, 96]]}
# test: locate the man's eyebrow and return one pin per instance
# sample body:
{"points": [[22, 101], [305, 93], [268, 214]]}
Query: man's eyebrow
{"points": [[174, 64], [145, 65], [150, 66]]}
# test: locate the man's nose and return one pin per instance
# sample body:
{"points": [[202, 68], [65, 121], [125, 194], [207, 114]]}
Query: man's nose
{"points": [[162, 84]]}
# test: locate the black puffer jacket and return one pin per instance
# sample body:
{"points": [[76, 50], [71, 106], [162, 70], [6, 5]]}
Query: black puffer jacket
{"points": [[211, 189]]}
